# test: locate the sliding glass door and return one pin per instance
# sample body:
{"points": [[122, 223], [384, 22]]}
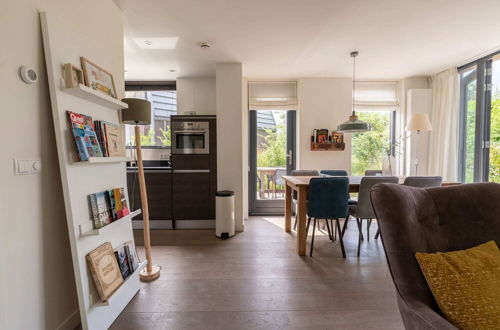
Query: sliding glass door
{"points": [[480, 120]]}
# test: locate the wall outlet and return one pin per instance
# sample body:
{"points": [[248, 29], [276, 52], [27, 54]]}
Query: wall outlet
{"points": [[27, 166]]}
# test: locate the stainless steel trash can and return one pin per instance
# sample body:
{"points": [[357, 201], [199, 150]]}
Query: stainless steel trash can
{"points": [[224, 214]]}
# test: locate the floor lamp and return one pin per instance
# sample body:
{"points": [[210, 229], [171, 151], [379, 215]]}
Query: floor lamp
{"points": [[418, 122], [139, 113]]}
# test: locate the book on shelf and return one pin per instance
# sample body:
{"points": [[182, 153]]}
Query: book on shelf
{"points": [[132, 255], [105, 270], [108, 206], [115, 146], [82, 128], [123, 262]]}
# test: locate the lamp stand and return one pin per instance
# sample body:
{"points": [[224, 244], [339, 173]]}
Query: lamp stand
{"points": [[417, 153], [151, 272]]}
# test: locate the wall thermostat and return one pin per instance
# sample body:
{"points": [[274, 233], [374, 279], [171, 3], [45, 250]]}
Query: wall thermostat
{"points": [[28, 75]]}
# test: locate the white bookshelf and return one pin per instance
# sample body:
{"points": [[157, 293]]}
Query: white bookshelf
{"points": [[87, 228], [116, 296], [103, 160], [97, 97], [62, 44]]}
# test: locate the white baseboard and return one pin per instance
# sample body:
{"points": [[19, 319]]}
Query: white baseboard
{"points": [[71, 322]]}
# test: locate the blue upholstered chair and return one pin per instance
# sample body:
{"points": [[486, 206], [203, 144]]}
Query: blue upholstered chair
{"points": [[334, 172], [328, 200]]}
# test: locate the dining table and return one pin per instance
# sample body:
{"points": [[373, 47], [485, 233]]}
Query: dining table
{"points": [[300, 184]]}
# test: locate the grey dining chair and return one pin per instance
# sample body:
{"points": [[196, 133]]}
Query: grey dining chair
{"points": [[334, 172], [419, 182], [373, 172], [279, 181], [423, 181], [294, 195], [363, 210]]}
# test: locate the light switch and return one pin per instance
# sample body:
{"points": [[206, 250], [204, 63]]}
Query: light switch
{"points": [[27, 166]]}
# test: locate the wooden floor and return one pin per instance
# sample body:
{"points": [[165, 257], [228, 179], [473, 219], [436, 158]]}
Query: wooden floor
{"points": [[255, 280]]}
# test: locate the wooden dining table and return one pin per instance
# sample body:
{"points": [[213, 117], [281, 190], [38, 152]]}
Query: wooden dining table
{"points": [[300, 184]]}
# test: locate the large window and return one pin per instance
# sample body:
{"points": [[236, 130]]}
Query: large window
{"points": [[369, 149], [480, 120], [163, 105]]}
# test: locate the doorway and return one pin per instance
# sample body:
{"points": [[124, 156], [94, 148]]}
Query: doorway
{"points": [[272, 155]]}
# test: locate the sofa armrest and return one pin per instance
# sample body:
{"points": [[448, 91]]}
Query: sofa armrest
{"points": [[420, 316]]}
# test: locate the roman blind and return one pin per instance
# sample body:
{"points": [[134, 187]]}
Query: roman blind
{"points": [[376, 96], [265, 95]]}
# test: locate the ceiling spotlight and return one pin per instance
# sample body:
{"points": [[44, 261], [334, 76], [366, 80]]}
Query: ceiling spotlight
{"points": [[171, 70], [205, 45], [147, 43]]}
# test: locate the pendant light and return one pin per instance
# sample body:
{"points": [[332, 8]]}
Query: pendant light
{"points": [[353, 124]]}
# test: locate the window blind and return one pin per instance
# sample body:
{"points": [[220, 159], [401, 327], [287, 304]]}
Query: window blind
{"points": [[376, 96], [272, 95]]}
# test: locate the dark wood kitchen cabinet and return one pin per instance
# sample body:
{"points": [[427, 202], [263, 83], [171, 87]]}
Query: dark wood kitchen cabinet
{"points": [[191, 195], [159, 190]]}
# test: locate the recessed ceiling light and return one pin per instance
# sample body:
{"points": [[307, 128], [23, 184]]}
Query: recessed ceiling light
{"points": [[171, 70], [156, 43], [205, 45]]}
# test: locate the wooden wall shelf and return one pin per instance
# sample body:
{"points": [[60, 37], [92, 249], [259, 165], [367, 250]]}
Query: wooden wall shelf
{"points": [[94, 96], [327, 146]]}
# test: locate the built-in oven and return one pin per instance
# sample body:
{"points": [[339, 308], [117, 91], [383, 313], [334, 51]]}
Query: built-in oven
{"points": [[190, 137]]}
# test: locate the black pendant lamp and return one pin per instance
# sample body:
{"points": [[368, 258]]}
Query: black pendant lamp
{"points": [[353, 124]]}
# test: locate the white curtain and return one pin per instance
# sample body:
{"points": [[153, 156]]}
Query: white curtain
{"points": [[443, 142], [268, 95]]}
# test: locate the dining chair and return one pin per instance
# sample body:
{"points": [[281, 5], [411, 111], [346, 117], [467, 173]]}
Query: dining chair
{"points": [[363, 210], [423, 181], [373, 172], [294, 194], [279, 181], [334, 172], [419, 182], [328, 201]]}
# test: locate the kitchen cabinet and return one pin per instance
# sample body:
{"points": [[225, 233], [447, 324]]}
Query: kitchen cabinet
{"points": [[191, 195], [159, 190]]}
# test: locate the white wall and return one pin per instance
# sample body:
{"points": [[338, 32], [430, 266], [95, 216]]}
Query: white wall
{"points": [[37, 285], [196, 94], [419, 100], [323, 103], [230, 161]]}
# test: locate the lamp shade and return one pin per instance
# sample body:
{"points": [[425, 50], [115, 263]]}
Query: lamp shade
{"points": [[419, 122], [353, 125], [138, 112]]}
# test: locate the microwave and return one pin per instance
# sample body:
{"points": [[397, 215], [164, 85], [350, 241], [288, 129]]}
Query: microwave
{"points": [[190, 137]]}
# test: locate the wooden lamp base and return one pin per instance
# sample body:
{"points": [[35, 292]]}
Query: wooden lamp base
{"points": [[146, 276]]}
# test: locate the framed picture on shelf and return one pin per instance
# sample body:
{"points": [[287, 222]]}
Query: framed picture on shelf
{"points": [[72, 75], [97, 78]]}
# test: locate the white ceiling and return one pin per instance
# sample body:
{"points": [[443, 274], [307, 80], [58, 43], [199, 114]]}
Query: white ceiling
{"points": [[280, 39]]}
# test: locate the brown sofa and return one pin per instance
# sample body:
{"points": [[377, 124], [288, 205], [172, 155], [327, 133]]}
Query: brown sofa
{"points": [[429, 220]]}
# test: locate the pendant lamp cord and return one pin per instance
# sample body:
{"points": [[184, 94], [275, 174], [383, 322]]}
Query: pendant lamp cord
{"points": [[353, 54]]}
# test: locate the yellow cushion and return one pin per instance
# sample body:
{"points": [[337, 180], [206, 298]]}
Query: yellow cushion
{"points": [[466, 285]]}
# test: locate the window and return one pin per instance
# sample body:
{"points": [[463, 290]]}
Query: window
{"points": [[480, 120], [163, 105], [369, 149]]}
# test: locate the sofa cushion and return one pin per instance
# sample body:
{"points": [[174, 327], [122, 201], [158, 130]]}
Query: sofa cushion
{"points": [[466, 285]]}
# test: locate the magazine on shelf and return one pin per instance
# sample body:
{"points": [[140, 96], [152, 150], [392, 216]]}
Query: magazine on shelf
{"points": [[84, 134], [321, 136], [112, 204], [103, 207]]}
